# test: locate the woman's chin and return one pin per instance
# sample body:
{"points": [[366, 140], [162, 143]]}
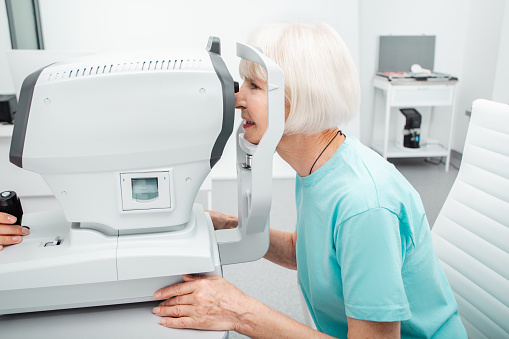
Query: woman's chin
{"points": [[252, 140], [256, 142]]}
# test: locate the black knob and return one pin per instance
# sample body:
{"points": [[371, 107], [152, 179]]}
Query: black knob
{"points": [[10, 204]]}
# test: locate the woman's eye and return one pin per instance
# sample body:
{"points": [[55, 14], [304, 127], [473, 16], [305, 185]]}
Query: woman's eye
{"points": [[254, 86]]}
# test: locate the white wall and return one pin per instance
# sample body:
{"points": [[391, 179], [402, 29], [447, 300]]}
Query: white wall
{"points": [[467, 38], [104, 25], [479, 61], [501, 86], [6, 85]]}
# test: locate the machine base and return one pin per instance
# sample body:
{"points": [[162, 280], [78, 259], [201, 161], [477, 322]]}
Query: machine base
{"points": [[91, 269]]}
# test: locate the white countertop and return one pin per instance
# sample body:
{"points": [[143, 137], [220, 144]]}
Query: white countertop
{"points": [[108, 322]]}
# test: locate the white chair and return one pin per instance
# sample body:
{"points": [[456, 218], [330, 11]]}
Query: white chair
{"points": [[471, 233]]}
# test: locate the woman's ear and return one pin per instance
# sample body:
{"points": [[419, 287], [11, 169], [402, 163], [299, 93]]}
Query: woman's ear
{"points": [[287, 109]]}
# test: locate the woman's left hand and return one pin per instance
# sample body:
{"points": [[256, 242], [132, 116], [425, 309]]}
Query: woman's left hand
{"points": [[202, 302]]}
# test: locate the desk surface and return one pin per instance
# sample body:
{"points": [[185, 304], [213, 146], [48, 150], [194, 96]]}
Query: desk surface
{"points": [[108, 322], [382, 82]]}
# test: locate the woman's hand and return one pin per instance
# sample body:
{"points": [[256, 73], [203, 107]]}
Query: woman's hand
{"points": [[223, 221], [9, 233], [202, 302], [212, 303]]}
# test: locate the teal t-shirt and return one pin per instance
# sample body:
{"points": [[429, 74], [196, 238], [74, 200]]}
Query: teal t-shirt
{"points": [[364, 249]]}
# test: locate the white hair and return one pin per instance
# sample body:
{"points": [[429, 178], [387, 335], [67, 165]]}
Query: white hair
{"points": [[321, 82]]}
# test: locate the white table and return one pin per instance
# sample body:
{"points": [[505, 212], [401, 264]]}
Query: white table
{"points": [[108, 322], [436, 129]]}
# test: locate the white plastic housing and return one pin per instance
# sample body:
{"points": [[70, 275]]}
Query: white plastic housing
{"points": [[89, 268], [94, 118]]}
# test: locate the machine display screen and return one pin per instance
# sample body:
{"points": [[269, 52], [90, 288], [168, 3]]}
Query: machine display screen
{"points": [[144, 189]]}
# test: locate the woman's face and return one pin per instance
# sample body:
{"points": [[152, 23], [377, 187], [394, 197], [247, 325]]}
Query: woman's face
{"points": [[251, 99]]}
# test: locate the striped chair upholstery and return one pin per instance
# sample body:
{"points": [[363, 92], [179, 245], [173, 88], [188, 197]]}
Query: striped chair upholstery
{"points": [[471, 233]]}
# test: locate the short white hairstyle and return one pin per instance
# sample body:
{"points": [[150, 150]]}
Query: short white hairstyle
{"points": [[321, 82]]}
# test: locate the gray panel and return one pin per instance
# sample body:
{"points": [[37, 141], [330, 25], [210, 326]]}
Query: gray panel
{"points": [[399, 53], [21, 120], [214, 49]]}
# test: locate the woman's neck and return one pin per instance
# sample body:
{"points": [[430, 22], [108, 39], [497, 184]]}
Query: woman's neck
{"points": [[301, 151]]}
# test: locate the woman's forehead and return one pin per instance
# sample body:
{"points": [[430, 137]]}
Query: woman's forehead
{"points": [[251, 70]]}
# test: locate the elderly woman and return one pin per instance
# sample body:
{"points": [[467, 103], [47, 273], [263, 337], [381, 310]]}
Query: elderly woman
{"points": [[362, 246]]}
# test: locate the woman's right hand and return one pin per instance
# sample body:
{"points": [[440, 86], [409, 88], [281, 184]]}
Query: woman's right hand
{"points": [[10, 234], [223, 221]]}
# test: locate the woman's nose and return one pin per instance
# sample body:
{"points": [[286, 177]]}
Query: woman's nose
{"points": [[240, 101]]}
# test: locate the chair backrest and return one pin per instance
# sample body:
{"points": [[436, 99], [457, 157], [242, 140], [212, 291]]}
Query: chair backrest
{"points": [[471, 233]]}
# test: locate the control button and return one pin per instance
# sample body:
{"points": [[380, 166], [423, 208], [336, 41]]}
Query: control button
{"points": [[11, 204]]}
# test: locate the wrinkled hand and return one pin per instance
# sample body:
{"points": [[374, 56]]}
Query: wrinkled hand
{"points": [[9, 233], [202, 302], [223, 221]]}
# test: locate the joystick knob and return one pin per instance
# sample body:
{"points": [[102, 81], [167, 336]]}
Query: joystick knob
{"points": [[10, 204]]}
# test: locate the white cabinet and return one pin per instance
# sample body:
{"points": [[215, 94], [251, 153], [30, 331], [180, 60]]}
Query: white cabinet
{"points": [[433, 99]]}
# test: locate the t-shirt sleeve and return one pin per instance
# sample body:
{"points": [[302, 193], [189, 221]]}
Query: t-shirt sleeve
{"points": [[370, 252]]}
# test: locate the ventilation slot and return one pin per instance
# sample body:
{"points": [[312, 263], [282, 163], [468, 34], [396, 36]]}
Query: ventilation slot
{"points": [[134, 66]]}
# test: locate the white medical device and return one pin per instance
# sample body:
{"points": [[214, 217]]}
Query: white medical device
{"points": [[125, 141]]}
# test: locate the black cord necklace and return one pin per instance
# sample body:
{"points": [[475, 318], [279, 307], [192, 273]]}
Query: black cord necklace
{"points": [[335, 135]]}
